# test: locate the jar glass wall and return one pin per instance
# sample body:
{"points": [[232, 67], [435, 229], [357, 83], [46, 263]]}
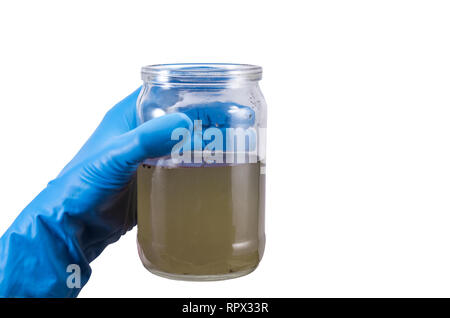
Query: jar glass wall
{"points": [[201, 208]]}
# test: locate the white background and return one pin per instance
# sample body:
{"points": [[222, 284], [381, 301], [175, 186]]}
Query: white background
{"points": [[358, 175]]}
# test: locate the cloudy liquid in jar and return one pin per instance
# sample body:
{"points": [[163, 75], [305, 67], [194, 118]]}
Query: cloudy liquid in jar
{"points": [[201, 223]]}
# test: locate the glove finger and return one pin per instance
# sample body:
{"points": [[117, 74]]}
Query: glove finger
{"points": [[152, 139]]}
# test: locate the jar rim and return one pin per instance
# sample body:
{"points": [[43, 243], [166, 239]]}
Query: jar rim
{"points": [[201, 73]]}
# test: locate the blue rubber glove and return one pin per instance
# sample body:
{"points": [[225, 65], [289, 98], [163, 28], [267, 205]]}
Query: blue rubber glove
{"points": [[88, 206]]}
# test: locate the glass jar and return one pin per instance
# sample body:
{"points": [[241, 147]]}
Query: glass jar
{"points": [[201, 208]]}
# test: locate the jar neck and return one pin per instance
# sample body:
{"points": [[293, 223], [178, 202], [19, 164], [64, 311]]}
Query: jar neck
{"points": [[201, 76]]}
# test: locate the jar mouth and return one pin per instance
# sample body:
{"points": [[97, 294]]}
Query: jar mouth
{"points": [[201, 73]]}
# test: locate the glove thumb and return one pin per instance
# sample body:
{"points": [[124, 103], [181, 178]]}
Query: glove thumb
{"points": [[152, 139]]}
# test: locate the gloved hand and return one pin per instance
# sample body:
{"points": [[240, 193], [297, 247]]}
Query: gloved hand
{"points": [[88, 206]]}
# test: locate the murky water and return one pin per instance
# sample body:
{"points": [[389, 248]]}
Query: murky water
{"points": [[203, 222]]}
